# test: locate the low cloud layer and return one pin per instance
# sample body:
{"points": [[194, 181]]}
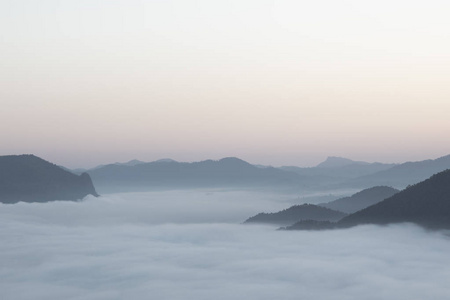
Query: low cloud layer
{"points": [[149, 246], [180, 206]]}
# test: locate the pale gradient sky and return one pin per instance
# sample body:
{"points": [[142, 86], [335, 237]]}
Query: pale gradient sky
{"points": [[272, 82]]}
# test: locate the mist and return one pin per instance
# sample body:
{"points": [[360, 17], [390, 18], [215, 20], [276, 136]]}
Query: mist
{"points": [[191, 245]]}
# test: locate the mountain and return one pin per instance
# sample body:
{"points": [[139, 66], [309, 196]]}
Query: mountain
{"points": [[426, 203], [404, 174], [336, 170], [29, 178], [227, 172], [165, 160], [133, 162], [361, 199], [79, 171], [296, 213], [337, 162]]}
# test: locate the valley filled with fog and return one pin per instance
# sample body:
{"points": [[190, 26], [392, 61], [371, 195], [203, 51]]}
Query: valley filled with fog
{"points": [[225, 150], [190, 244]]}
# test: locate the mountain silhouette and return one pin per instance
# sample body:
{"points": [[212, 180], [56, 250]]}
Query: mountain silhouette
{"points": [[296, 213], [338, 173], [335, 171], [405, 174], [361, 199], [337, 162], [227, 172], [29, 178], [426, 203]]}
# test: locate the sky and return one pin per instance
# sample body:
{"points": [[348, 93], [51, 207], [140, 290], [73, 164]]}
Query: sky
{"points": [[284, 82], [121, 247]]}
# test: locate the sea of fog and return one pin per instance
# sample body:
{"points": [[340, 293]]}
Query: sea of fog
{"points": [[191, 245]]}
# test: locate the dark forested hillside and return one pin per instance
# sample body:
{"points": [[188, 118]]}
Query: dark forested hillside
{"points": [[361, 200], [31, 179], [296, 213], [426, 203]]}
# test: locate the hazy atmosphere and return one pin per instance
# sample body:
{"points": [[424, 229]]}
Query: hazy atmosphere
{"points": [[235, 149], [271, 82]]}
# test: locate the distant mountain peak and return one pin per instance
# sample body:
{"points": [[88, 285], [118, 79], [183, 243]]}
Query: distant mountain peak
{"points": [[233, 160], [336, 162], [132, 162], [165, 160]]}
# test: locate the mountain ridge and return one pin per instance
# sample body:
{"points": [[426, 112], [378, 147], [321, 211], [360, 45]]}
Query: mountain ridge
{"points": [[361, 200], [296, 213], [402, 175], [29, 178], [426, 203], [336, 162], [226, 172]]}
